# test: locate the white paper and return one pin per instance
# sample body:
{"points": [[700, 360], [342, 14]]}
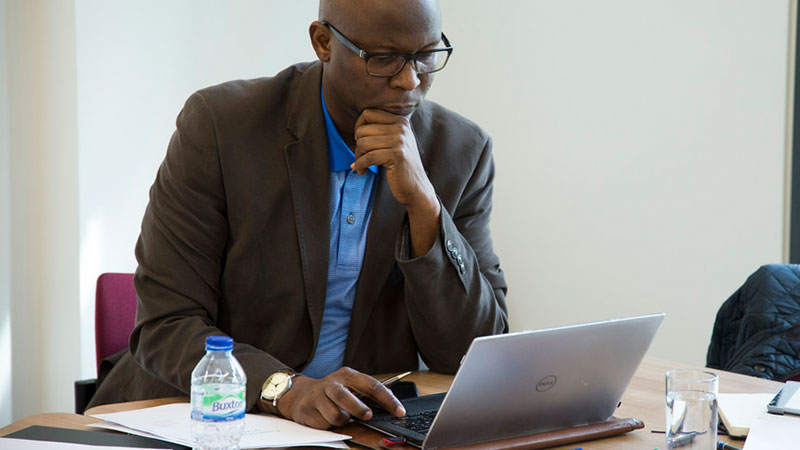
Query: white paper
{"points": [[24, 444], [771, 432], [171, 423], [742, 409], [106, 425]]}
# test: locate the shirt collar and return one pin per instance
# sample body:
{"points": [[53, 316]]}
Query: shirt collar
{"points": [[339, 154]]}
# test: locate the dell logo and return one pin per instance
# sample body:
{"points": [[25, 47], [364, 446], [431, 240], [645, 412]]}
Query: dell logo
{"points": [[546, 383]]}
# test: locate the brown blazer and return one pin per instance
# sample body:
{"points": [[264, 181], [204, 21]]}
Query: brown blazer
{"points": [[235, 240]]}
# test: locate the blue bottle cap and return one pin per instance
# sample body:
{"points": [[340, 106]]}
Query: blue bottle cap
{"points": [[219, 343]]}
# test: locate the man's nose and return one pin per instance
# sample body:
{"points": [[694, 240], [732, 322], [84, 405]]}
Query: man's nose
{"points": [[407, 79]]}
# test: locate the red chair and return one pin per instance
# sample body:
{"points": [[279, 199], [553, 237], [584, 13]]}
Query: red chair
{"points": [[114, 313], [114, 317]]}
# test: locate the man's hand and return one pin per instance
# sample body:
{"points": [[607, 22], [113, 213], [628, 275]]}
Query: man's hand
{"points": [[387, 140], [330, 401]]}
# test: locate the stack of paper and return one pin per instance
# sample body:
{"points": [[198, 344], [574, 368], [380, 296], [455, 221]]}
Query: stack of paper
{"points": [[171, 423], [738, 411], [771, 432]]}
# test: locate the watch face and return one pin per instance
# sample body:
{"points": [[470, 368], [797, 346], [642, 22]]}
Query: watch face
{"points": [[276, 384]]}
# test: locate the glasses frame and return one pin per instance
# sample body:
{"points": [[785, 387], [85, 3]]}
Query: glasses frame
{"points": [[413, 57]]}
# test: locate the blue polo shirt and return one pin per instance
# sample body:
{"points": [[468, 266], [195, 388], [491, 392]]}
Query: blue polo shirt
{"points": [[351, 197]]}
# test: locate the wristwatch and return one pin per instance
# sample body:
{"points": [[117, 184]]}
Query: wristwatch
{"points": [[276, 385]]}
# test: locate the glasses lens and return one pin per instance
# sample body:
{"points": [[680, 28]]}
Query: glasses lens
{"points": [[389, 65], [431, 62], [385, 65]]}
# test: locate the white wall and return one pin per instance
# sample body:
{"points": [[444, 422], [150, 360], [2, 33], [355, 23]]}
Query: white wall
{"points": [[5, 231], [43, 168], [639, 150]]}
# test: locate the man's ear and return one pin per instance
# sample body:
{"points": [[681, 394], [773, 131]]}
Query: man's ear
{"points": [[321, 40]]}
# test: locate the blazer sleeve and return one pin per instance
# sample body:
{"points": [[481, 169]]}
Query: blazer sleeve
{"points": [[180, 252], [456, 291]]}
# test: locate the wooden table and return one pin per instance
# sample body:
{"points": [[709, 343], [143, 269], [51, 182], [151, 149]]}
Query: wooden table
{"points": [[644, 400]]}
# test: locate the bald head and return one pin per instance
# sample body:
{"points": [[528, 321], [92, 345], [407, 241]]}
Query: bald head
{"points": [[407, 16], [374, 27]]}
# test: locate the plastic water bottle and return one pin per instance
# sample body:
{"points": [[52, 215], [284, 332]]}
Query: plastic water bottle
{"points": [[218, 397]]}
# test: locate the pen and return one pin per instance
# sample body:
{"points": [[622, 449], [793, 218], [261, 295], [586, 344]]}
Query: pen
{"points": [[390, 381]]}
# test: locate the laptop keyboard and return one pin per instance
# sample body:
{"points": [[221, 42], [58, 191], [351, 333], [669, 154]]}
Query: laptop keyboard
{"points": [[419, 422]]}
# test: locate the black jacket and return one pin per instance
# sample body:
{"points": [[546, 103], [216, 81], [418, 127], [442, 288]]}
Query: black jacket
{"points": [[757, 330]]}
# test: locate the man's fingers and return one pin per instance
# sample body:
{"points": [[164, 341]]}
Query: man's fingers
{"points": [[343, 398], [320, 403], [373, 389], [333, 412], [378, 116], [371, 143], [378, 130], [373, 158]]}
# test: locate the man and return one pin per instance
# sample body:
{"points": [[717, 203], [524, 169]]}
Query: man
{"points": [[264, 226]]}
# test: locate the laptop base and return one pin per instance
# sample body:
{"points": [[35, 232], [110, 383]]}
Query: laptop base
{"points": [[368, 437]]}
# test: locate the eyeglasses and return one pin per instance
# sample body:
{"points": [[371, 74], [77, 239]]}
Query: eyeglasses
{"points": [[381, 64]]}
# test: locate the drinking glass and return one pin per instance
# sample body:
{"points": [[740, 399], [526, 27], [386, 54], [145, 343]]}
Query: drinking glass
{"points": [[691, 402]]}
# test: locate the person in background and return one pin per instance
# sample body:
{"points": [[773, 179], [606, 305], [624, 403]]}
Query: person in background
{"points": [[329, 219]]}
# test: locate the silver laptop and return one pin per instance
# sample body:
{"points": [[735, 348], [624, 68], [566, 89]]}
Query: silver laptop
{"points": [[528, 382]]}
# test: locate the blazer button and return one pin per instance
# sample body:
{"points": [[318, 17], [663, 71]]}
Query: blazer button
{"points": [[448, 245], [461, 268], [454, 253], [459, 260]]}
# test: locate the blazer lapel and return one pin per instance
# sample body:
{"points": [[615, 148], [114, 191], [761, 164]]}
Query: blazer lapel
{"points": [[384, 227], [307, 165]]}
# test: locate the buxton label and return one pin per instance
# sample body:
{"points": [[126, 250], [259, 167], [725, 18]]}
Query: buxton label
{"points": [[221, 408]]}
